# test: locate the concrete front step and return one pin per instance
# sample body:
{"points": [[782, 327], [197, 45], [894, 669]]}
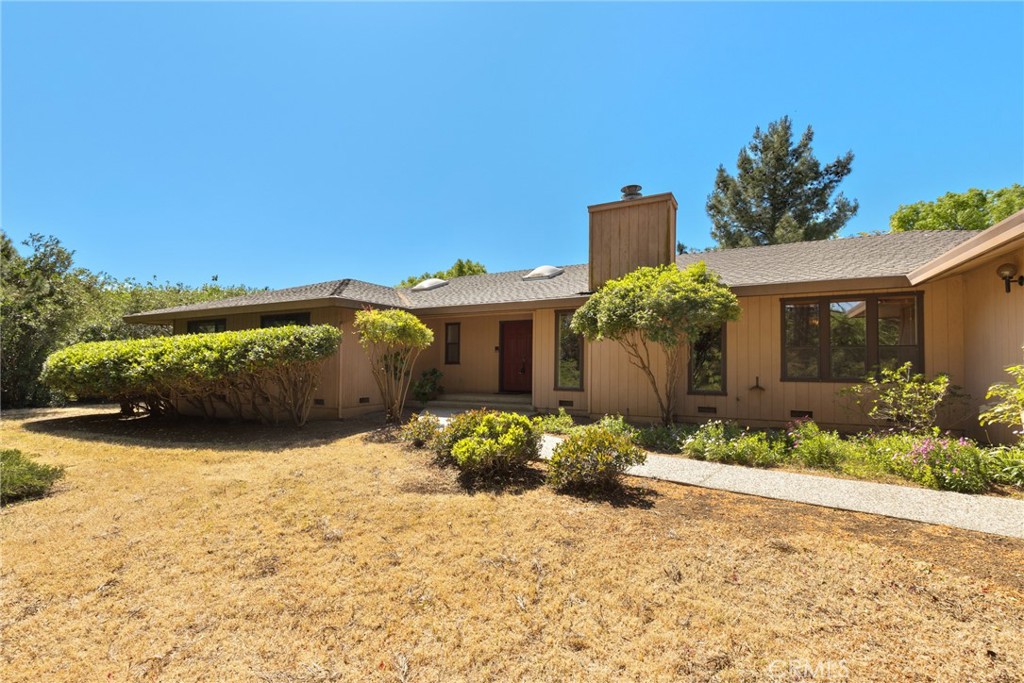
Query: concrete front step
{"points": [[469, 401]]}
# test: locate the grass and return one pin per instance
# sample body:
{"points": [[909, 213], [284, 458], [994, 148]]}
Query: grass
{"points": [[193, 551]]}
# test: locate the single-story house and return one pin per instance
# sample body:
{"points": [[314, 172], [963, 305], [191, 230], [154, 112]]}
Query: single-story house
{"points": [[815, 317]]}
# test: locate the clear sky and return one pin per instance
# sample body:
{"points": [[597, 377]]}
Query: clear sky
{"points": [[283, 144]]}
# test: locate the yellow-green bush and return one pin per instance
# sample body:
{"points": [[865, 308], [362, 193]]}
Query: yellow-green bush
{"points": [[592, 456], [486, 442], [267, 372]]}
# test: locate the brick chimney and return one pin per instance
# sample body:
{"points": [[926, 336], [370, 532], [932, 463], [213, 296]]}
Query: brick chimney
{"points": [[635, 231]]}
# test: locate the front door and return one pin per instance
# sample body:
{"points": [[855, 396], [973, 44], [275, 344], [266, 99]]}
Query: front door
{"points": [[516, 356]]}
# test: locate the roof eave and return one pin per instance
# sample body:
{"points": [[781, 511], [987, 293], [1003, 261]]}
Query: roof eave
{"points": [[169, 316], [986, 243]]}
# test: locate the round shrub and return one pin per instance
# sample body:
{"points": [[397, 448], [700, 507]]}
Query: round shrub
{"points": [[592, 456], [486, 442]]}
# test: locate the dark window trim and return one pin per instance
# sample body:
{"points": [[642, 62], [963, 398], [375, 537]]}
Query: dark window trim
{"points": [[825, 326], [558, 387], [223, 322], [301, 318], [725, 381], [448, 345]]}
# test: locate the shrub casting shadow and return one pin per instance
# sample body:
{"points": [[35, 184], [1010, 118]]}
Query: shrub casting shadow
{"points": [[513, 483], [196, 432], [618, 495]]}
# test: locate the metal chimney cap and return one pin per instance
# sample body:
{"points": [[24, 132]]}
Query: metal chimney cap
{"points": [[631, 192]]}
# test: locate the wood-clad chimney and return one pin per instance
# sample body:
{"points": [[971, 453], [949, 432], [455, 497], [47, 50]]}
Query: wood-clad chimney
{"points": [[636, 231]]}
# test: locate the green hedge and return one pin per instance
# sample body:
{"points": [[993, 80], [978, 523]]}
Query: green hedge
{"points": [[264, 373]]}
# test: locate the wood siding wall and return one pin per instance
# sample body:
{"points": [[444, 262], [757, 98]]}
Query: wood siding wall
{"points": [[478, 367], [629, 234], [754, 357], [994, 333]]}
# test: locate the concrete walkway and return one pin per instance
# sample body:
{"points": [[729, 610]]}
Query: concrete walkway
{"points": [[1003, 516]]}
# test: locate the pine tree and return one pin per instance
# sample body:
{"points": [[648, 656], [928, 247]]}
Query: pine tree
{"points": [[780, 193]]}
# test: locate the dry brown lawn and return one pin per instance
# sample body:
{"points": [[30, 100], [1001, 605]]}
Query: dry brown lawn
{"points": [[194, 552]]}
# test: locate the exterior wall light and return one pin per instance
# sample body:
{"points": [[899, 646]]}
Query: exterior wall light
{"points": [[1006, 272]]}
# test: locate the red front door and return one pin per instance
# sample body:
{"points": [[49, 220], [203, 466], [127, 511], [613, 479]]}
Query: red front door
{"points": [[517, 355]]}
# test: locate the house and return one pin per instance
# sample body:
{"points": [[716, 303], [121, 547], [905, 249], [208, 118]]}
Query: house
{"points": [[815, 317]]}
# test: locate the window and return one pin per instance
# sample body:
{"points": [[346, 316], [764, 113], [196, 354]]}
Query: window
{"points": [[568, 354], [707, 362], [452, 343], [859, 335], [282, 319], [206, 326]]}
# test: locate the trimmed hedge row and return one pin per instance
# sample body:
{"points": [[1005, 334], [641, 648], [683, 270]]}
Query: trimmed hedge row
{"points": [[263, 373]]}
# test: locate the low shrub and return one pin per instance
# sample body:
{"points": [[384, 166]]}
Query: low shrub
{"points": [[428, 386], [662, 438], [1006, 465], [486, 442], [592, 456], [812, 447], [938, 462], [559, 423], [421, 430], [711, 440], [21, 477], [901, 398], [616, 424]]}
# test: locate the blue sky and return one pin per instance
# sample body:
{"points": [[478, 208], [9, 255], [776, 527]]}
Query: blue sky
{"points": [[282, 144]]}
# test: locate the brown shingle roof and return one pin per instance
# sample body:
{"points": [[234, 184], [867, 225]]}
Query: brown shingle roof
{"points": [[872, 256], [848, 258]]}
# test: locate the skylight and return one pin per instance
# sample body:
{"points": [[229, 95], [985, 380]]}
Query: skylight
{"points": [[430, 283], [544, 273]]}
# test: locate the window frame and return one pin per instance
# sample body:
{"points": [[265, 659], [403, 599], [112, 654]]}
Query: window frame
{"points": [[457, 344], [825, 332], [299, 316], [558, 341], [218, 322], [689, 370]]}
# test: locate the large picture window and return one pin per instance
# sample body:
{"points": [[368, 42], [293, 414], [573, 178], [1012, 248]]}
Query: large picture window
{"points": [[283, 319], [707, 362], [568, 354], [207, 326], [842, 339], [452, 343]]}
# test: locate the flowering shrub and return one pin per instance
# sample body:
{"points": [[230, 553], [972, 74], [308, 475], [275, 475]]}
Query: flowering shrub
{"points": [[812, 447], [592, 456], [939, 462], [726, 442]]}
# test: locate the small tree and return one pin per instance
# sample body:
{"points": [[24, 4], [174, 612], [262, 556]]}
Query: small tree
{"points": [[393, 339], [1010, 409], [901, 398], [663, 307]]}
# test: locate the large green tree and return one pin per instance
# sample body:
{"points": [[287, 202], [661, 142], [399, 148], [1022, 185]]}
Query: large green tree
{"points": [[781, 192], [458, 269], [657, 309], [46, 303], [41, 299], [971, 210]]}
